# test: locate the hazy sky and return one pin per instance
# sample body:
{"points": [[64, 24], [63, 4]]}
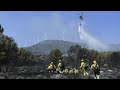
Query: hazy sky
{"points": [[30, 25]]}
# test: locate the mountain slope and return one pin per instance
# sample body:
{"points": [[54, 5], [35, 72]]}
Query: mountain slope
{"points": [[114, 47], [46, 46]]}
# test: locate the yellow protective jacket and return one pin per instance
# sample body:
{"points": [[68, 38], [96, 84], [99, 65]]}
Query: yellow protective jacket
{"points": [[71, 71], [76, 71], [50, 66], [82, 65], [65, 71], [59, 65], [93, 66]]}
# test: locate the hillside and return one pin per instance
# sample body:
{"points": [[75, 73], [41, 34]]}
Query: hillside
{"points": [[114, 47], [46, 46]]}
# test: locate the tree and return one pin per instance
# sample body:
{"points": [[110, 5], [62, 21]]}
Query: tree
{"points": [[25, 58], [76, 53], [10, 53], [73, 50], [72, 54], [1, 29], [8, 49], [55, 55], [115, 59]]}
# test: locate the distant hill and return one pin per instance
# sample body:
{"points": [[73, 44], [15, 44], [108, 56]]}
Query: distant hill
{"points": [[114, 47], [46, 46]]}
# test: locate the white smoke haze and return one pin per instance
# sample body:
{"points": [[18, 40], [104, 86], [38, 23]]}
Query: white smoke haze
{"points": [[91, 41], [53, 25]]}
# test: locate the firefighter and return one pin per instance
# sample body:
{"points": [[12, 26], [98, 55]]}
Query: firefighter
{"points": [[59, 67], [65, 71], [50, 67], [71, 71], [82, 68], [76, 71], [96, 69]]}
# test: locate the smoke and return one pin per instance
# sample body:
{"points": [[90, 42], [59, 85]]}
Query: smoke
{"points": [[53, 24], [91, 41]]}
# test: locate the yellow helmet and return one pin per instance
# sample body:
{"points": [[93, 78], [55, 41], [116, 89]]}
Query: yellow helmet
{"points": [[59, 60], [94, 61], [82, 60], [51, 62]]}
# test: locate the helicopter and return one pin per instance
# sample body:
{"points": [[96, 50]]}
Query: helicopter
{"points": [[81, 16]]}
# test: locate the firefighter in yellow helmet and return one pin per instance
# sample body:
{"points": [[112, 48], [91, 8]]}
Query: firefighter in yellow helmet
{"points": [[59, 67], [76, 71], [66, 71], [50, 67], [82, 68], [96, 69], [71, 71]]}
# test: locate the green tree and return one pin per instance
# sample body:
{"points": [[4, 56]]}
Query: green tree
{"points": [[76, 53], [10, 53], [115, 59], [8, 49], [55, 55], [1, 30], [73, 55]]}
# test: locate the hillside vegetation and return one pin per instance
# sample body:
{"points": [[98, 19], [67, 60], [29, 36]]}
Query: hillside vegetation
{"points": [[44, 47]]}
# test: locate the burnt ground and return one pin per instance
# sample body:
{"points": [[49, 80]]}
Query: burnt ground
{"points": [[37, 72]]}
